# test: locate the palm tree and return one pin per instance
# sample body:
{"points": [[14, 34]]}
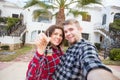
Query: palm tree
{"points": [[61, 5]]}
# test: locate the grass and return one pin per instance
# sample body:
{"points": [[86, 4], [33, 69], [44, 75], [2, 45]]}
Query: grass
{"points": [[25, 49], [111, 62], [18, 52], [107, 61]]}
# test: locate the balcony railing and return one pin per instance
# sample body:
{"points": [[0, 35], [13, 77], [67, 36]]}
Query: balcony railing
{"points": [[102, 29], [100, 26]]}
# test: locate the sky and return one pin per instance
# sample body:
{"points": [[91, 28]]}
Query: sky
{"points": [[106, 2], [20, 3]]}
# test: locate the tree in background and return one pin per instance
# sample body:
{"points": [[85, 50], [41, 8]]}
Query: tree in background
{"points": [[61, 5], [115, 33]]}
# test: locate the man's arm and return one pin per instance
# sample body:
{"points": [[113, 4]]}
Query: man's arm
{"points": [[101, 74]]}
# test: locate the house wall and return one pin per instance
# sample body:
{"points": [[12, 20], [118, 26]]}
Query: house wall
{"points": [[32, 25], [88, 27], [8, 9], [12, 42], [96, 13]]}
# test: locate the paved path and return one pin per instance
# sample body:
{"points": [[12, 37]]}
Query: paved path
{"points": [[16, 69]]}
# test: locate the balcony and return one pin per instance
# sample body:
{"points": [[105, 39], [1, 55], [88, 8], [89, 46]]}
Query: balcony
{"points": [[102, 29]]}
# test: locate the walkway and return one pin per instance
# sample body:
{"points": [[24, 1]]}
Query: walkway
{"points": [[16, 69]]}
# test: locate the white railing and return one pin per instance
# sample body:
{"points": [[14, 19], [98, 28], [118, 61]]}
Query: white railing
{"points": [[10, 40], [102, 29], [99, 26]]}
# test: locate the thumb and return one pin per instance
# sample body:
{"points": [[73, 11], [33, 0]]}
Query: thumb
{"points": [[49, 39]]}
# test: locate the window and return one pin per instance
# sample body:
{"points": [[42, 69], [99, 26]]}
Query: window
{"points": [[43, 31], [15, 15], [86, 18], [39, 31], [33, 35], [104, 19], [42, 16], [0, 12], [43, 19], [117, 16], [85, 36]]}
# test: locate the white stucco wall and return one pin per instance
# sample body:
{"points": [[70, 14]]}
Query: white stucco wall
{"points": [[9, 8], [10, 40], [96, 13], [88, 27]]}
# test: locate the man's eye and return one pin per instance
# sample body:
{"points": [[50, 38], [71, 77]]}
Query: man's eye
{"points": [[70, 29]]}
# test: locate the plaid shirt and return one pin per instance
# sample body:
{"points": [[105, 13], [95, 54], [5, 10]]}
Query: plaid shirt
{"points": [[78, 60], [42, 67]]}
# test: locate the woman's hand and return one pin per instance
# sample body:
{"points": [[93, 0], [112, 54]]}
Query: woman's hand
{"points": [[41, 42]]}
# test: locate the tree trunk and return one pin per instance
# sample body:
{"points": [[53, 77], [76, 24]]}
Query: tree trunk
{"points": [[60, 18]]}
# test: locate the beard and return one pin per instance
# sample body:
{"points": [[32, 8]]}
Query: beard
{"points": [[72, 43]]}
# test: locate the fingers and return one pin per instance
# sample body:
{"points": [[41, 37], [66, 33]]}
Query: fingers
{"points": [[47, 39], [41, 41]]}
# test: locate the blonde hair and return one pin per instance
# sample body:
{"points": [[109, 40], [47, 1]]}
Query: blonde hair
{"points": [[71, 21]]}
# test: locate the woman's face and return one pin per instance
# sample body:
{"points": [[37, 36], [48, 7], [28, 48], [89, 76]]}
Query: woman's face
{"points": [[56, 37]]}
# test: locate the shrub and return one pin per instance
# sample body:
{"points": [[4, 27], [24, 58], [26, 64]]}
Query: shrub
{"points": [[5, 47], [97, 45], [115, 54], [11, 22], [66, 43]]}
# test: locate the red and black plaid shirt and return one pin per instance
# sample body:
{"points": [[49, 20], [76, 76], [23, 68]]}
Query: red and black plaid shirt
{"points": [[42, 67]]}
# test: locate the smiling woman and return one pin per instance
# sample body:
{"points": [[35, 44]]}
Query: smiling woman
{"points": [[47, 55]]}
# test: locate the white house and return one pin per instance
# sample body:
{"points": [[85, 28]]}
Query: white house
{"points": [[99, 18], [8, 9], [95, 26]]}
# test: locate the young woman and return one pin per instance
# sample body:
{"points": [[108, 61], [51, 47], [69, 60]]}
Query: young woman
{"points": [[44, 63]]}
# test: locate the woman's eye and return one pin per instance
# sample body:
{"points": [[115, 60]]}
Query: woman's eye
{"points": [[55, 33]]}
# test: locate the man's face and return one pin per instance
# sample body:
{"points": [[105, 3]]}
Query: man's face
{"points": [[72, 33]]}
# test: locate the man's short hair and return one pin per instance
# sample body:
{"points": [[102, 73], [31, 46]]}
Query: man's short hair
{"points": [[71, 21]]}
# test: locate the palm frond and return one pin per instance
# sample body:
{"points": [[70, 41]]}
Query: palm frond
{"points": [[76, 13], [31, 3], [83, 3], [38, 13]]}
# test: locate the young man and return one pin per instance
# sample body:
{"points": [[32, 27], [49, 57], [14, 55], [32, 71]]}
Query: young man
{"points": [[81, 61]]}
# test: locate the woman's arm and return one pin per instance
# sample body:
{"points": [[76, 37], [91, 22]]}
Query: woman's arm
{"points": [[33, 66], [37, 61]]}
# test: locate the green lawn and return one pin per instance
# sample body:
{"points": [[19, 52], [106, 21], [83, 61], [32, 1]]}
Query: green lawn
{"points": [[18, 52], [107, 61], [110, 62], [26, 49]]}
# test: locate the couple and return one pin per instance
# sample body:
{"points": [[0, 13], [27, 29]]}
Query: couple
{"points": [[80, 62]]}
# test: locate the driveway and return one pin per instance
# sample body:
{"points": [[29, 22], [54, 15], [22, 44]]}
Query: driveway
{"points": [[13, 71], [16, 69]]}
